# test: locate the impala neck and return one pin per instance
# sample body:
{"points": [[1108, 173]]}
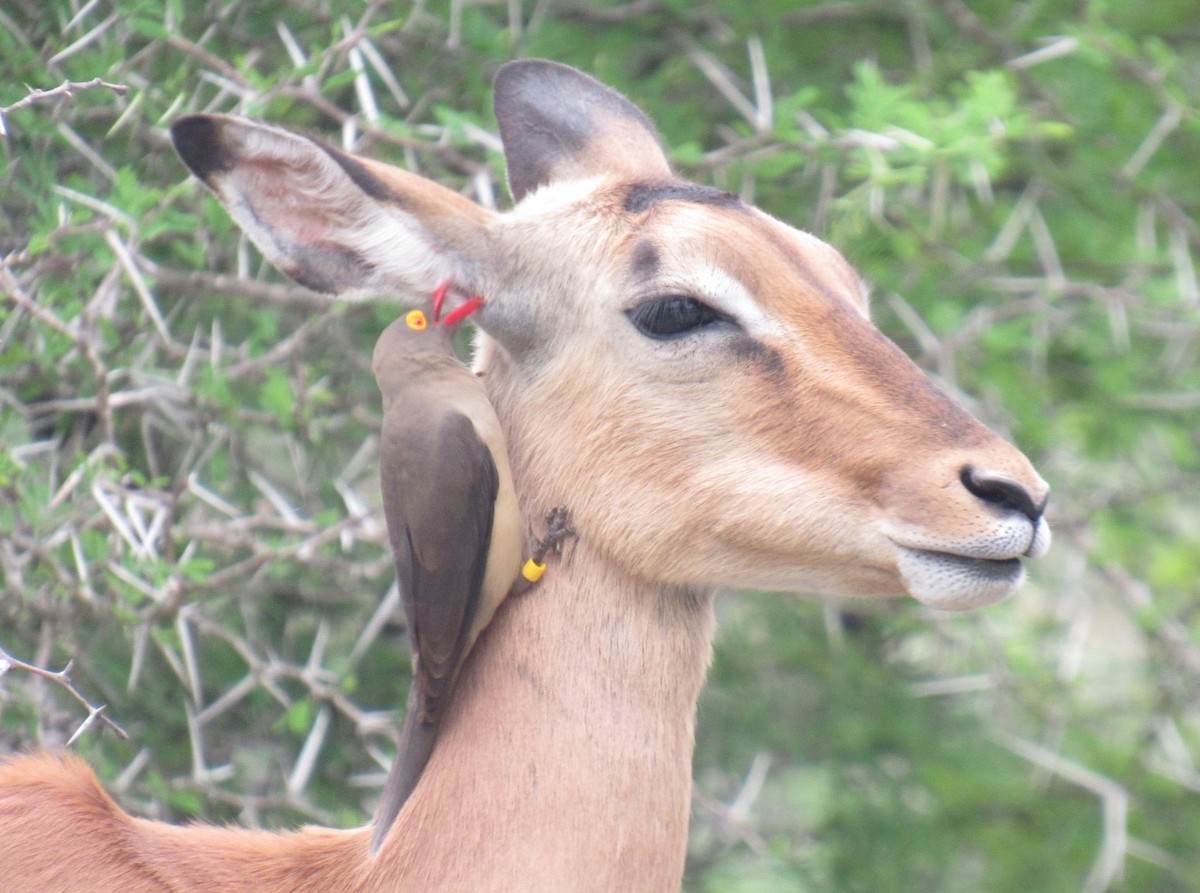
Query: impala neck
{"points": [[565, 760]]}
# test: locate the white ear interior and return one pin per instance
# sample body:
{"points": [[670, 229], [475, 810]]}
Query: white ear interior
{"points": [[306, 208]]}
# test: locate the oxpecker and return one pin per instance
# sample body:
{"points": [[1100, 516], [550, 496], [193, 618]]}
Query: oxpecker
{"points": [[455, 528]]}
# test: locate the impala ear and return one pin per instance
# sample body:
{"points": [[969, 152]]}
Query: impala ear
{"points": [[334, 222], [559, 124]]}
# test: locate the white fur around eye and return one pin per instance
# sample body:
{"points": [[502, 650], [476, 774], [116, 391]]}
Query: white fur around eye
{"points": [[725, 294]]}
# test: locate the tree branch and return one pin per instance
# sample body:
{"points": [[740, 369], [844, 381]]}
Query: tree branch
{"points": [[62, 678], [66, 88]]}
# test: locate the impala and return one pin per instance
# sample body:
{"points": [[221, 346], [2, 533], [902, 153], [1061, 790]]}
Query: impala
{"points": [[700, 384]]}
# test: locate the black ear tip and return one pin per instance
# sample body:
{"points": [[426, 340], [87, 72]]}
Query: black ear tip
{"points": [[189, 125], [197, 139]]}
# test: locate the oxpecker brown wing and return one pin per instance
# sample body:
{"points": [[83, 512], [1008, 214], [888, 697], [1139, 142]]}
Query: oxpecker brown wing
{"points": [[443, 554], [439, 491]]}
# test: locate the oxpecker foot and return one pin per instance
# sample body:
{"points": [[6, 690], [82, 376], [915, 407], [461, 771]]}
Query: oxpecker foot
{"points": [[558, 528]]}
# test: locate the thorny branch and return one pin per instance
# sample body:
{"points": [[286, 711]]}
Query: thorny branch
{"points": [[62, 678], [66, 88]]}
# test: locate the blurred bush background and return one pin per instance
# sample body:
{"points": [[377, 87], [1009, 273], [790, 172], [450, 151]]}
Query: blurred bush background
{"points": [[187, 442]]}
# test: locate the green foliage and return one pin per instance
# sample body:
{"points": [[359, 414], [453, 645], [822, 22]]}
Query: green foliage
{"points": [[186, 466]]}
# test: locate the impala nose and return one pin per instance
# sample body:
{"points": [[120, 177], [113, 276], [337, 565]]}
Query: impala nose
{"points": [[1002, 492]]}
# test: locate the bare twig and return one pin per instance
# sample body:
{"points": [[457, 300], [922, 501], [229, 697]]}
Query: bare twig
{"points": [[209, 60], [62, 678], [66, 88], [838, 12], [1054, 49], [1114, 805], [220, 285], [590, 12]]}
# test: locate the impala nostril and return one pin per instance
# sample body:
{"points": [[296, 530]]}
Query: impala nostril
{"points": [[1002, 492]]}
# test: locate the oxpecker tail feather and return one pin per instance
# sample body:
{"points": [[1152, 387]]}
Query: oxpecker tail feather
{"points": [[416, 745]]}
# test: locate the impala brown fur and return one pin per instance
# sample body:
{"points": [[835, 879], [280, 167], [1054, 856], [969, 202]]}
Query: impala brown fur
{"points": [[63, 834], [779, 442]]}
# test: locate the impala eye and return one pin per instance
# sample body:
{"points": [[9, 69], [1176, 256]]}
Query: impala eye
{"points": [[671, 317]]}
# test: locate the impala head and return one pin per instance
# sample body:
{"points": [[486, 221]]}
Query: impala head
{"points": [[699, 382]]}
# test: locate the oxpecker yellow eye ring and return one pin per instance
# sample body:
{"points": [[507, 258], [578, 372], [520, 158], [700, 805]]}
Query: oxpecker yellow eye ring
{"points": [[416, 320]]}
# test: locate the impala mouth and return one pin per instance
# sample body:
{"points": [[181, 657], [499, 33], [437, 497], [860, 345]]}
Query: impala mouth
{"points": [[952, 582]]}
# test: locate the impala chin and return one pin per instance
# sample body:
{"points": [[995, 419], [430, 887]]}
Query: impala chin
{"points": [[952, 582], [959, 573]]}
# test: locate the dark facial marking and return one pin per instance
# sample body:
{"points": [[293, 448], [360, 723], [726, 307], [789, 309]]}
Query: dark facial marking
{"points": [[791, 254], [645, 260], [642, 196], [746, 347], [875, 358]]}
